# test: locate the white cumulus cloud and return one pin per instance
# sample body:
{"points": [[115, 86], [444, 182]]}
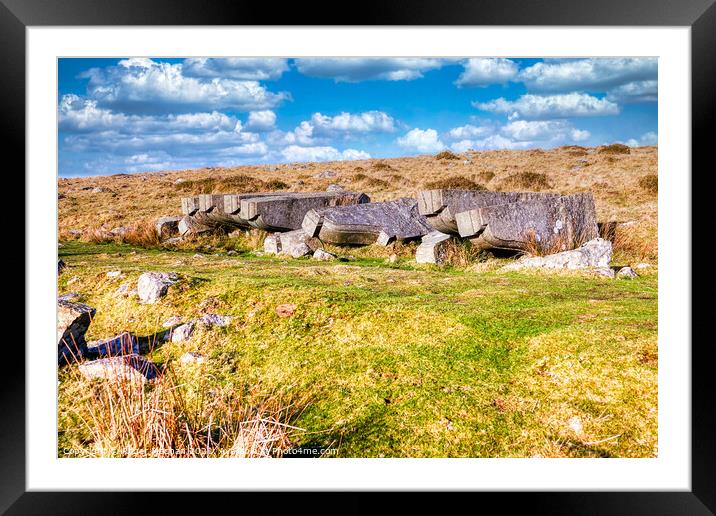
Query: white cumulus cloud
{"points": [[638, 91], [550, 106], [241, 68], [261, 121], [355, 69], [424, 141], [321, 153], [481, 71]]}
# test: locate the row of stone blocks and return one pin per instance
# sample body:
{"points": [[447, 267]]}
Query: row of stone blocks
{"points": [[520, 221]]}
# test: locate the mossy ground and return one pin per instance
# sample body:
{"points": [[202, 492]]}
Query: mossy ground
{"points": [[397, 360]]}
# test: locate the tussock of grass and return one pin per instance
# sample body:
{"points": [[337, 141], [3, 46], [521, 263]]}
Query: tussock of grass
{"points": [[614, 148], [527, 181], [455, 182], [446, 155], [650, 183], [231, 184], [381, 165]]}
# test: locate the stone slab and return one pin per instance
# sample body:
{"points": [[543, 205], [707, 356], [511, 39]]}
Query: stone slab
{"points": [[364, 224], [432, 248]]}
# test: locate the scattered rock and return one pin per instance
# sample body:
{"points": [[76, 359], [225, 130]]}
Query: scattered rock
{"points": [[154, 285], [73, 320], [326, 174], [232, 253], [191, 358], [215, 320], [293, 243], [333, 187], [123, 344], [182, 333], [61, 266], [125, 368], [595, 253], [626, 273], [320, 254], [604, 272], [433, 248], [299, 250], [286, 310], [114, 274], [119, 231], [642, 266], [70, 296], [77, 233]]}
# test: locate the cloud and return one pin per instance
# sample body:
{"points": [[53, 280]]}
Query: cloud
{"points": [[240, 68], [424, 141], [348, 123], [141, 85], [650, 138], [639, 91], [261, 121], [469, 131], [355, 69], [595, 75], [543, 131], [485, 71], [321, 153], [550, 106]]}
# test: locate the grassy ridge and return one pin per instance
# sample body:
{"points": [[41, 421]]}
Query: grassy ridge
{"points": [[398, 360]]}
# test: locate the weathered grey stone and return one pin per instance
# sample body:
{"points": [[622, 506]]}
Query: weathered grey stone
{"points": [[191, 358], [335, 188], [182, 333], [432, 248], [292, 243], [70, 296], [114, 274], [272, 244], [167, 227], [120, 231], [173, 321], [440, 206], [626, 273], [190, 225], [154, 285], [550, 223], [595, 253], [369, 223], [220, 211], [286, 212], [299, 250], [123, 344], [73, 320], [326, 174], [605, 272], [124, 368], [215, 320], [642, 266], [322, 255], [60, 266]]}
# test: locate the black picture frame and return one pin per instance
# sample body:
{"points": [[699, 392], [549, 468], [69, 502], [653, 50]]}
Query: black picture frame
{"points": [[700, 15]]}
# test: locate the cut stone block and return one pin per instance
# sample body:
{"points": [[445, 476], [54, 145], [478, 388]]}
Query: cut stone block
{"points": [[293, 243], [167, 226], [550, 223], [595, 253], [73, 320], [365, 224], [126, 368], [433, 248], [440, 206], [286, 212]]}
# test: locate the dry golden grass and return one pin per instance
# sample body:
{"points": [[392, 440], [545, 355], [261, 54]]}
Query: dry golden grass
{"points": [[614, 179]]}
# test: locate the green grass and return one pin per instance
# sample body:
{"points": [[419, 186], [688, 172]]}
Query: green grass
{"points": [[400, 360]]}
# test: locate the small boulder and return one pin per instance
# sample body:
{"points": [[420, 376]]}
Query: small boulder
{"points": [[174, 320], [642, 266], [626, 273], [215, 320], [300, 250], [126, 368], [154, 285], [167, 226], [191, 358], [320, 254], [114, 274], [272, 244], [182, 333], [325, 174], [595, 253], [433, 248], [70, 296], [604, 272], [333, 187]]}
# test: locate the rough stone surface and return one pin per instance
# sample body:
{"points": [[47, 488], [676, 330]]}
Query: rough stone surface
{"points": [[73, 320], [114, 274], [215, 320], [595, 253], [167, 227], [154, 285], [642, 266], [549, 223], [190, 225], [292, 243], [432, 248], [320, 254], [119, 231], [605, 272], [626, 273], [286, 212], [182, 333], [272, 244], [334, 188], [191, 358], [365, 224], [299, 250], [174, 320], [123, 344], [70, 296], [125, 368]]}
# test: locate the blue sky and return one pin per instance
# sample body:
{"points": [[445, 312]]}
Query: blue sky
{"points": [[142, 114]]}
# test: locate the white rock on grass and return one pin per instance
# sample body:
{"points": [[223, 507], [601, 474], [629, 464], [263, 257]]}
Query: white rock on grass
{"points": [[174, 320], [114, 274], [191, 358], [605, 272], [127, 368], [215, 320], [595, 253], [154, 285], [299, 250], [182, 333], [642, 266], [73, 321], [320, 254], [626, 273], [433, 248]]}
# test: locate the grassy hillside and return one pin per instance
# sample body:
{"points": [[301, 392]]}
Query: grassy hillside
{"points": [[381, 358]]}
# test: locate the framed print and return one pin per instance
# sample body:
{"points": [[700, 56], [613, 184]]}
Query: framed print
{"points": [[430, 255]]}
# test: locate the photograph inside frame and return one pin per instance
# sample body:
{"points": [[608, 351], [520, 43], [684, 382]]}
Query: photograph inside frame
{"points": [[357, 257]]}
